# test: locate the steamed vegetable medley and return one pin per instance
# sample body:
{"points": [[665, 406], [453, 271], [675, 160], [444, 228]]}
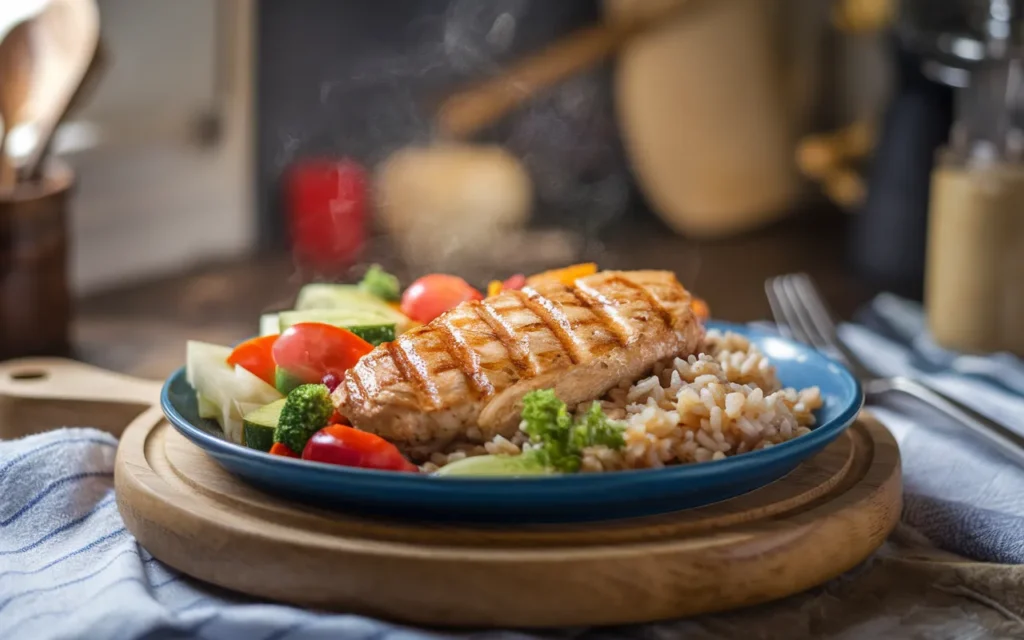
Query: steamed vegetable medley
{"points": [[273, 392]]}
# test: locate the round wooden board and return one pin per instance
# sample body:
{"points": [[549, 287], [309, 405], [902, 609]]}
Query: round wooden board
{"points": [[819, 521]]}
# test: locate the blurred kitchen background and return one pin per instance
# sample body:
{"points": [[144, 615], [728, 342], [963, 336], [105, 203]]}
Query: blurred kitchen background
{"points": [[225, 151]]}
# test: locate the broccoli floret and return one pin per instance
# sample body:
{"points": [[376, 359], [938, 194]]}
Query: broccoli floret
{"points": [[380, 283], [306, 410], [598, 429], [558, 440]]}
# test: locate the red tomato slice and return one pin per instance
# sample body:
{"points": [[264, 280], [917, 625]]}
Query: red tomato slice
{"points": [[256, 357], [432, 295], [310, 350], [349, 447]]}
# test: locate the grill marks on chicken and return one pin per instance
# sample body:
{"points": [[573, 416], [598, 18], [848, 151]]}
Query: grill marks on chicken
{"points": [[498, 330], [471, 367], [465, 356]]}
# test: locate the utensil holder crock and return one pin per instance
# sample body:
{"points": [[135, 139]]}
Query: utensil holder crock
{"points": [[35, 303]]}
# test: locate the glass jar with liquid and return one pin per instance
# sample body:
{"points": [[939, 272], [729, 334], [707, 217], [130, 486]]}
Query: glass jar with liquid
{"points": [[974, 286]]}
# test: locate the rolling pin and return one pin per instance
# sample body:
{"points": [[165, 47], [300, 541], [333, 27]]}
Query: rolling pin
{"points": [[470, 110]]}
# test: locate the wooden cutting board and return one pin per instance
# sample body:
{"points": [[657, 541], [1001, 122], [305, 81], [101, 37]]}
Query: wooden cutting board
{"points": [[825, 517]]}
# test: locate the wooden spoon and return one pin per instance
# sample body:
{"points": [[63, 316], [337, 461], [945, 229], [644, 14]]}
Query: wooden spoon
{"points": [[97, 68], [68, 36], [16, 64], [470, 110]]}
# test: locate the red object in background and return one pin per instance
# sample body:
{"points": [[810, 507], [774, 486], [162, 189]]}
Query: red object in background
{"points": [[326, 201]]}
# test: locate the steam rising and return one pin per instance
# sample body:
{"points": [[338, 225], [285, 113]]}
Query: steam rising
{"points": [[565, 138]]}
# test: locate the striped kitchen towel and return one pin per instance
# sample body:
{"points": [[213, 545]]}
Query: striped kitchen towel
{"points": [[958, 491], [69, 569]]}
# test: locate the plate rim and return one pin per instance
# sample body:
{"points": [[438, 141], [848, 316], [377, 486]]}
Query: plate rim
{"points": [[780, 453]]}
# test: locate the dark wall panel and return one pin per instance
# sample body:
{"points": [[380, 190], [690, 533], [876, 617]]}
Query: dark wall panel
{"points": [[357, 78]]}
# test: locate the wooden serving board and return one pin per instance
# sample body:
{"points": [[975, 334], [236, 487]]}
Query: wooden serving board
{"points": [[824, 518]]}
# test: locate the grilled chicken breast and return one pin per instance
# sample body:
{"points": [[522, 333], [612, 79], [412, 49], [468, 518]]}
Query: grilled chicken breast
{"points": [[471, 366]]}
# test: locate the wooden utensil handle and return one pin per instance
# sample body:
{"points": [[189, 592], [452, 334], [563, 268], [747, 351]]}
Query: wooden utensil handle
{"points": [[471, 110], [33, 169], [61, 379], [468, 111], [8, 173]]}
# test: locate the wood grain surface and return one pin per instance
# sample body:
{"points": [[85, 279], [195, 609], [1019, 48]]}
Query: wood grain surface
{"points": [[39, 394], [819, 521]]}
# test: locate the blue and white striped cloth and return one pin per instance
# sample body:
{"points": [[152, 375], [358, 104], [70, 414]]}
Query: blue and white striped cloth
{"points": [[69, 569]]}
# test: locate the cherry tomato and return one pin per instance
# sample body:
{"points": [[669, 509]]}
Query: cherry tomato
{"points": [[310, 350], [281, 449], [256, 356], [349, 447], [432, 295], [516, 282]]}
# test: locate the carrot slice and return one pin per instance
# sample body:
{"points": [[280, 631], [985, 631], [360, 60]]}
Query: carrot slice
{"points": [[281, 449], [257, 357], [566, 275], [700, 308]]}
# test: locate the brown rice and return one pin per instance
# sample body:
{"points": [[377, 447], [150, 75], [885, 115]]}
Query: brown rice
{"points": [[723, 402]]}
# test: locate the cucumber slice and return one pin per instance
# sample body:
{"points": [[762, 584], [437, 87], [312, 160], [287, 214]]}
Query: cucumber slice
{"points": [[207, 408], [233, 421], [369, 325], [258, 425], [269, 324], [337, 317], [375, 334], [331, 296], [244, 392], [285, 382], [495, 465], [227, 392], [350, 298], [202, 359]]}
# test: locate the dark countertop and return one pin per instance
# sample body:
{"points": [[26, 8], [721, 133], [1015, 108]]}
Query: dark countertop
{"points": [[141, 329]]}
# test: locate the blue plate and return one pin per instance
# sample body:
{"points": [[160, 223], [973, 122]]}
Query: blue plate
{"points": [[569, 498]]}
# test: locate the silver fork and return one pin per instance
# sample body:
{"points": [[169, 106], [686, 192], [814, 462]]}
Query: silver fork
{"points": [[801, 313]]}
